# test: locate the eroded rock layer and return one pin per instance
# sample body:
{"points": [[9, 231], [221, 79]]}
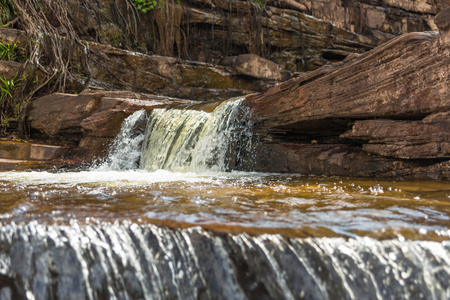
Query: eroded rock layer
{"points": [[384, 113], [300, 35]]}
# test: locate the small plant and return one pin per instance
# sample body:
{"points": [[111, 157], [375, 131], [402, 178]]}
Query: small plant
{"points": [[10, 111], [12, 52], [145, 5], [260, 3], [6, 88], [8, 51], [148, 5]]}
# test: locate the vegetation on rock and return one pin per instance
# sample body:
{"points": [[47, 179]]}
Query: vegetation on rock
{"points": [[53, 47], [9, 106], [11, 52], [145, 5]]}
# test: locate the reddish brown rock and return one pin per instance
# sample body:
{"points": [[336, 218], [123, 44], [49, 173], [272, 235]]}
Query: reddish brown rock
{"points": [[383, 113], [91, 120], [256, 66], [300, 35], [341, 160], [8, 35], [18, 150], [114, 68], [391, 81], [429, 138]]}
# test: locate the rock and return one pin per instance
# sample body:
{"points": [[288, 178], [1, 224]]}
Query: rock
{"points": [[443, 23], [255, 66], [299, 35], [9, 35], [114, 68], [392, 81], [428, 138], [9, 69], [15, 150], [383, 113], [442, 20], [88, 121], [340, 160]]}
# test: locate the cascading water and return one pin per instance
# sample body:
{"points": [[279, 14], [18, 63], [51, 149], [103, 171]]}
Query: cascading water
{"points": [[191, 140], [148, 262], [125, 152], [183, 139], [129, 228]]}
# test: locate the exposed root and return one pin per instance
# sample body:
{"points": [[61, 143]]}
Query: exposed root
{"points": [[57, 57]]}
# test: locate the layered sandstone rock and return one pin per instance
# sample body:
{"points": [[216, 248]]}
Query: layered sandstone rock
{"points": [[300, 35], [90, 121], [116, 69], [384, 113]]}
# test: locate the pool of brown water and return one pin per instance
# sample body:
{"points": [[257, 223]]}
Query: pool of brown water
{"points": [[291, 205]]}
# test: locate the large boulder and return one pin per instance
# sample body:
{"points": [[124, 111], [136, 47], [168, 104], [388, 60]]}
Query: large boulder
{"points": [[255, 66]]}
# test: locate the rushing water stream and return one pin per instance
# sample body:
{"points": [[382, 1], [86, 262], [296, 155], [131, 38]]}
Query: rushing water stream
{"points": [[165, 217]]}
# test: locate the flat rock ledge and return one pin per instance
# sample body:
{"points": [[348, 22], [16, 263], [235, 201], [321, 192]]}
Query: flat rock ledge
{"points": [[381, 114]]}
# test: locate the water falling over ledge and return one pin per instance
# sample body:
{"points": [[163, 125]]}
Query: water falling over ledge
{"points": [[211, 137], [148, 262], [193, 140]]}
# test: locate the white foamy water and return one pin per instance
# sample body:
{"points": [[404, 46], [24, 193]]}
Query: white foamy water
{"points": [[125, 152], [124, 178]]}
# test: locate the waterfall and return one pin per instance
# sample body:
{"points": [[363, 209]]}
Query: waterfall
{"points": [[131, 261], [188, 138], [193, 140], [125, 151]]}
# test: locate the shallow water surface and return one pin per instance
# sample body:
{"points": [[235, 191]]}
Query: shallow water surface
{"points": [[291, 205]]}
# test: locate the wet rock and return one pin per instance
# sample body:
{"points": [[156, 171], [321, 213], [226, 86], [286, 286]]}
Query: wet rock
{"points": [[119, 69], [342, 160], [300, 35], [145, 261], [18, 150]]}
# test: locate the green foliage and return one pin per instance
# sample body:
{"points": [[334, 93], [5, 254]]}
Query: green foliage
{"points": [[145, 5], [12, 52], [148, 5], [7, 12], [10, 111], [8, 51], [261, 3], [6, 88]]}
